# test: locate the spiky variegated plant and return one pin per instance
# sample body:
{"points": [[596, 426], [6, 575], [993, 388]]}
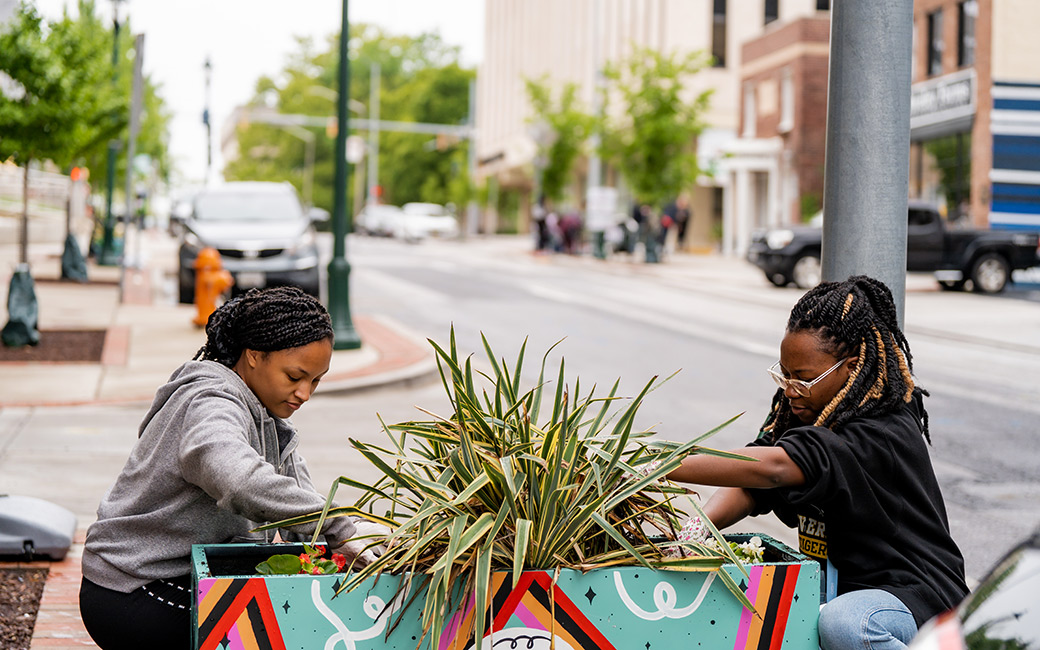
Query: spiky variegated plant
{"points": [[497, 487]]}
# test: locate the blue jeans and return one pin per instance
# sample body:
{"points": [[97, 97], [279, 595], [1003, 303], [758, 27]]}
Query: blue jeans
{"points": [[869, 619]]}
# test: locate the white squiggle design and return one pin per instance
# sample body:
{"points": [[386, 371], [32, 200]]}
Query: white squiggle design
{"points": [[664, 600], [374, 606]]}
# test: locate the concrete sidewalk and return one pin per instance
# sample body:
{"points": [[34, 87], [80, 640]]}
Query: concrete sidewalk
{"points": [[147, 336]]}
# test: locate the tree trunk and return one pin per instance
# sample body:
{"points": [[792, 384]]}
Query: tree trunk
{"points": [[23, 250]]}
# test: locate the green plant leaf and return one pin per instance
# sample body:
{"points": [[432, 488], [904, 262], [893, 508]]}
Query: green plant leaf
{"points": [[523, 536]]}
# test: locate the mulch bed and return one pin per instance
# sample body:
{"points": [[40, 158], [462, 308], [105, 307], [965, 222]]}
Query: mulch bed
{"points": [[20, 593], [59, 345]]}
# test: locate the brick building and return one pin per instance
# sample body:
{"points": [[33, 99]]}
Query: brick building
{"points": [[774, 172], [975, 110], [974, 124]]}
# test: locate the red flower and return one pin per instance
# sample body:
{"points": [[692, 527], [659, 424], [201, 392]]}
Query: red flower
{"points": [[316, 571], [304, 558], [340, 560], [320, 550]]}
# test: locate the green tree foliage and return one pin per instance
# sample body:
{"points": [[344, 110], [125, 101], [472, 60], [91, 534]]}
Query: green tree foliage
{"points": [[420, 80], [653, 142], [952, 156], [70, 108], [36, 111], [567, 125]]}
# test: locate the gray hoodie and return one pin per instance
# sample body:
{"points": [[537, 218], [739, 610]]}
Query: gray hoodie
{"points": [[210, 464]]}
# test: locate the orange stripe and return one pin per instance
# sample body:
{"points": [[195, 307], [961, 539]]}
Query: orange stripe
{"points": [[765, 585], [212, 598], [244, 625]]}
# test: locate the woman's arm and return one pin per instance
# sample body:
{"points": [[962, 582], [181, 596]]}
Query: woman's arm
{"points": [[728, 506], [772, 468]]}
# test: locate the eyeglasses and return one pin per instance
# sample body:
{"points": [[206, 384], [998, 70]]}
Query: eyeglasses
{"points": [[803, 388]]}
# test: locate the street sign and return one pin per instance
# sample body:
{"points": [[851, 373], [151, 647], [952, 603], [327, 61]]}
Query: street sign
{"points": [[355, 149], [600, 208]]}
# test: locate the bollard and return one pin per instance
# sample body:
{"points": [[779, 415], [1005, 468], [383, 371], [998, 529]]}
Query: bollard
{"points": [[211, 281]]}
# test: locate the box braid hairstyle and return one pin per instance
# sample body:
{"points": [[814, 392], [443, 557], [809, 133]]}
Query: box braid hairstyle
{"points": [[266, 321], [854, 318]]}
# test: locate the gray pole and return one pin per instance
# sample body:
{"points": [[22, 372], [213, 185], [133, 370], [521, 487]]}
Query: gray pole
{"points": [[373, 131], [131, 149], [471, 162], [866, 179]]}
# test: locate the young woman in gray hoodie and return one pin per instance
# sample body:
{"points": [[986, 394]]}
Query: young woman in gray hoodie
{"points": [[215, 458]]}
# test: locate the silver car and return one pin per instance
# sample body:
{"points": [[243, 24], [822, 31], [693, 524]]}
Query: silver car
{"points": [[263, 235]]}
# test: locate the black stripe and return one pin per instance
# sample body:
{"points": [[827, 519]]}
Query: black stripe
{"points": [[769, 616], [564, 619], [256, 621], [220, 609]]}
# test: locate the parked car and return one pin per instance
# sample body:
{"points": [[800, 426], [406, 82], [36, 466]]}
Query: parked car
{"points": [[264, 237], [985, 258], [423, 220], [378, 219], [1002, 612]]}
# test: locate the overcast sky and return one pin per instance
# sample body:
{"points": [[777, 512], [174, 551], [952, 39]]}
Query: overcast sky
{"points": [[249, 38]]}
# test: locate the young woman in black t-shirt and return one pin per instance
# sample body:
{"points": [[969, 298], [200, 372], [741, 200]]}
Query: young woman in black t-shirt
{"points": [[842, 456]]}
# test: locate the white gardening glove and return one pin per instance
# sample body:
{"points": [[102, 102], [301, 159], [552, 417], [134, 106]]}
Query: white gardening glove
{"points": [[354, 548], [694, 530]]}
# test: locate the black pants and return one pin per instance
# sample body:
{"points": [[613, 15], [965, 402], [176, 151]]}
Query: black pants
{"points": [[156, 616]]}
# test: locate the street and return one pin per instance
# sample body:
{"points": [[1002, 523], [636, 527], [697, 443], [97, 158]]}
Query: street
{"points": [[636, 321], [715, 320]]}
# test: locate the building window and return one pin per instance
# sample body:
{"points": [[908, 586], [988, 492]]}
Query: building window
{"points": [[750, 114], [771, 11], [718, 33], [823, 5], [935, 43], [968, 12], [786, 103]]}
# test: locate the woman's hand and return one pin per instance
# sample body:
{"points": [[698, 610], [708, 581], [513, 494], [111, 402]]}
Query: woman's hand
{"points": [[366, 533]]}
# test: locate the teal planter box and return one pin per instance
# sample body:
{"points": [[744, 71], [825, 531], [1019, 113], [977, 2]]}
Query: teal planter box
{"points": [[611, 608]]}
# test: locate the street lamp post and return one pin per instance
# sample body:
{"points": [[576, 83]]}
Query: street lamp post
{"points": [[346, 337], [107, 255]]}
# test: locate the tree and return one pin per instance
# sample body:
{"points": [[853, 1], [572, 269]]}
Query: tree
{"points": [[420, 81], [567, 129], [653, 142], [35, 118]]}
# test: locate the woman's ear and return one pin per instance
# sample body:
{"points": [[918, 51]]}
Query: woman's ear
{"points": [[251, 357]]}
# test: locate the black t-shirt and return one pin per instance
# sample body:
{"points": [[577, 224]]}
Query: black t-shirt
{"points": [[872, 505]]}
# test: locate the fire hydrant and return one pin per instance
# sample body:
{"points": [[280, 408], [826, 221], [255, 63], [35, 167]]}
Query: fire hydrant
{"points": [[211, 281]]}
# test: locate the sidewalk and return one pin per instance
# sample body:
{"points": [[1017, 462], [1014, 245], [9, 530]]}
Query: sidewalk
{"points": [[147, 337]]}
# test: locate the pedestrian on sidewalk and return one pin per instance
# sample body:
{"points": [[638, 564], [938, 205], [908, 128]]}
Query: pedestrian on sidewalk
{"points": [[216, 457], [842, 456]]}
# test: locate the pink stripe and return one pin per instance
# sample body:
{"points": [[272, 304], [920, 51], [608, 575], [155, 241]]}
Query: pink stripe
{"points": [[235, 639], [530, 620], [448, 637], [204, 587], [746, 614]]}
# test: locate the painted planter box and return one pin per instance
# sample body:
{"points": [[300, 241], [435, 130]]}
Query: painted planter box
{"points": [[605, 609]]}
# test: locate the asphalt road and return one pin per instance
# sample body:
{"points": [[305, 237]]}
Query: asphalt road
{"points": [[625, 321]]}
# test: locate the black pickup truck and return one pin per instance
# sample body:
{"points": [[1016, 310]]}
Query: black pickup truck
{"points": [[985, 258]]}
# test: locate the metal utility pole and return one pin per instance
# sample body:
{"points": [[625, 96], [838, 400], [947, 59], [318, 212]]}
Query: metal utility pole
{"points": [[208, 67], [866, 179], [131, 146], [373, 131], [471, 163], [107, 256], [346, 337]]}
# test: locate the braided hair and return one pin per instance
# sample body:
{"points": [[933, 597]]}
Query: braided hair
{"points": [[264, 320], [854, 318]]}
